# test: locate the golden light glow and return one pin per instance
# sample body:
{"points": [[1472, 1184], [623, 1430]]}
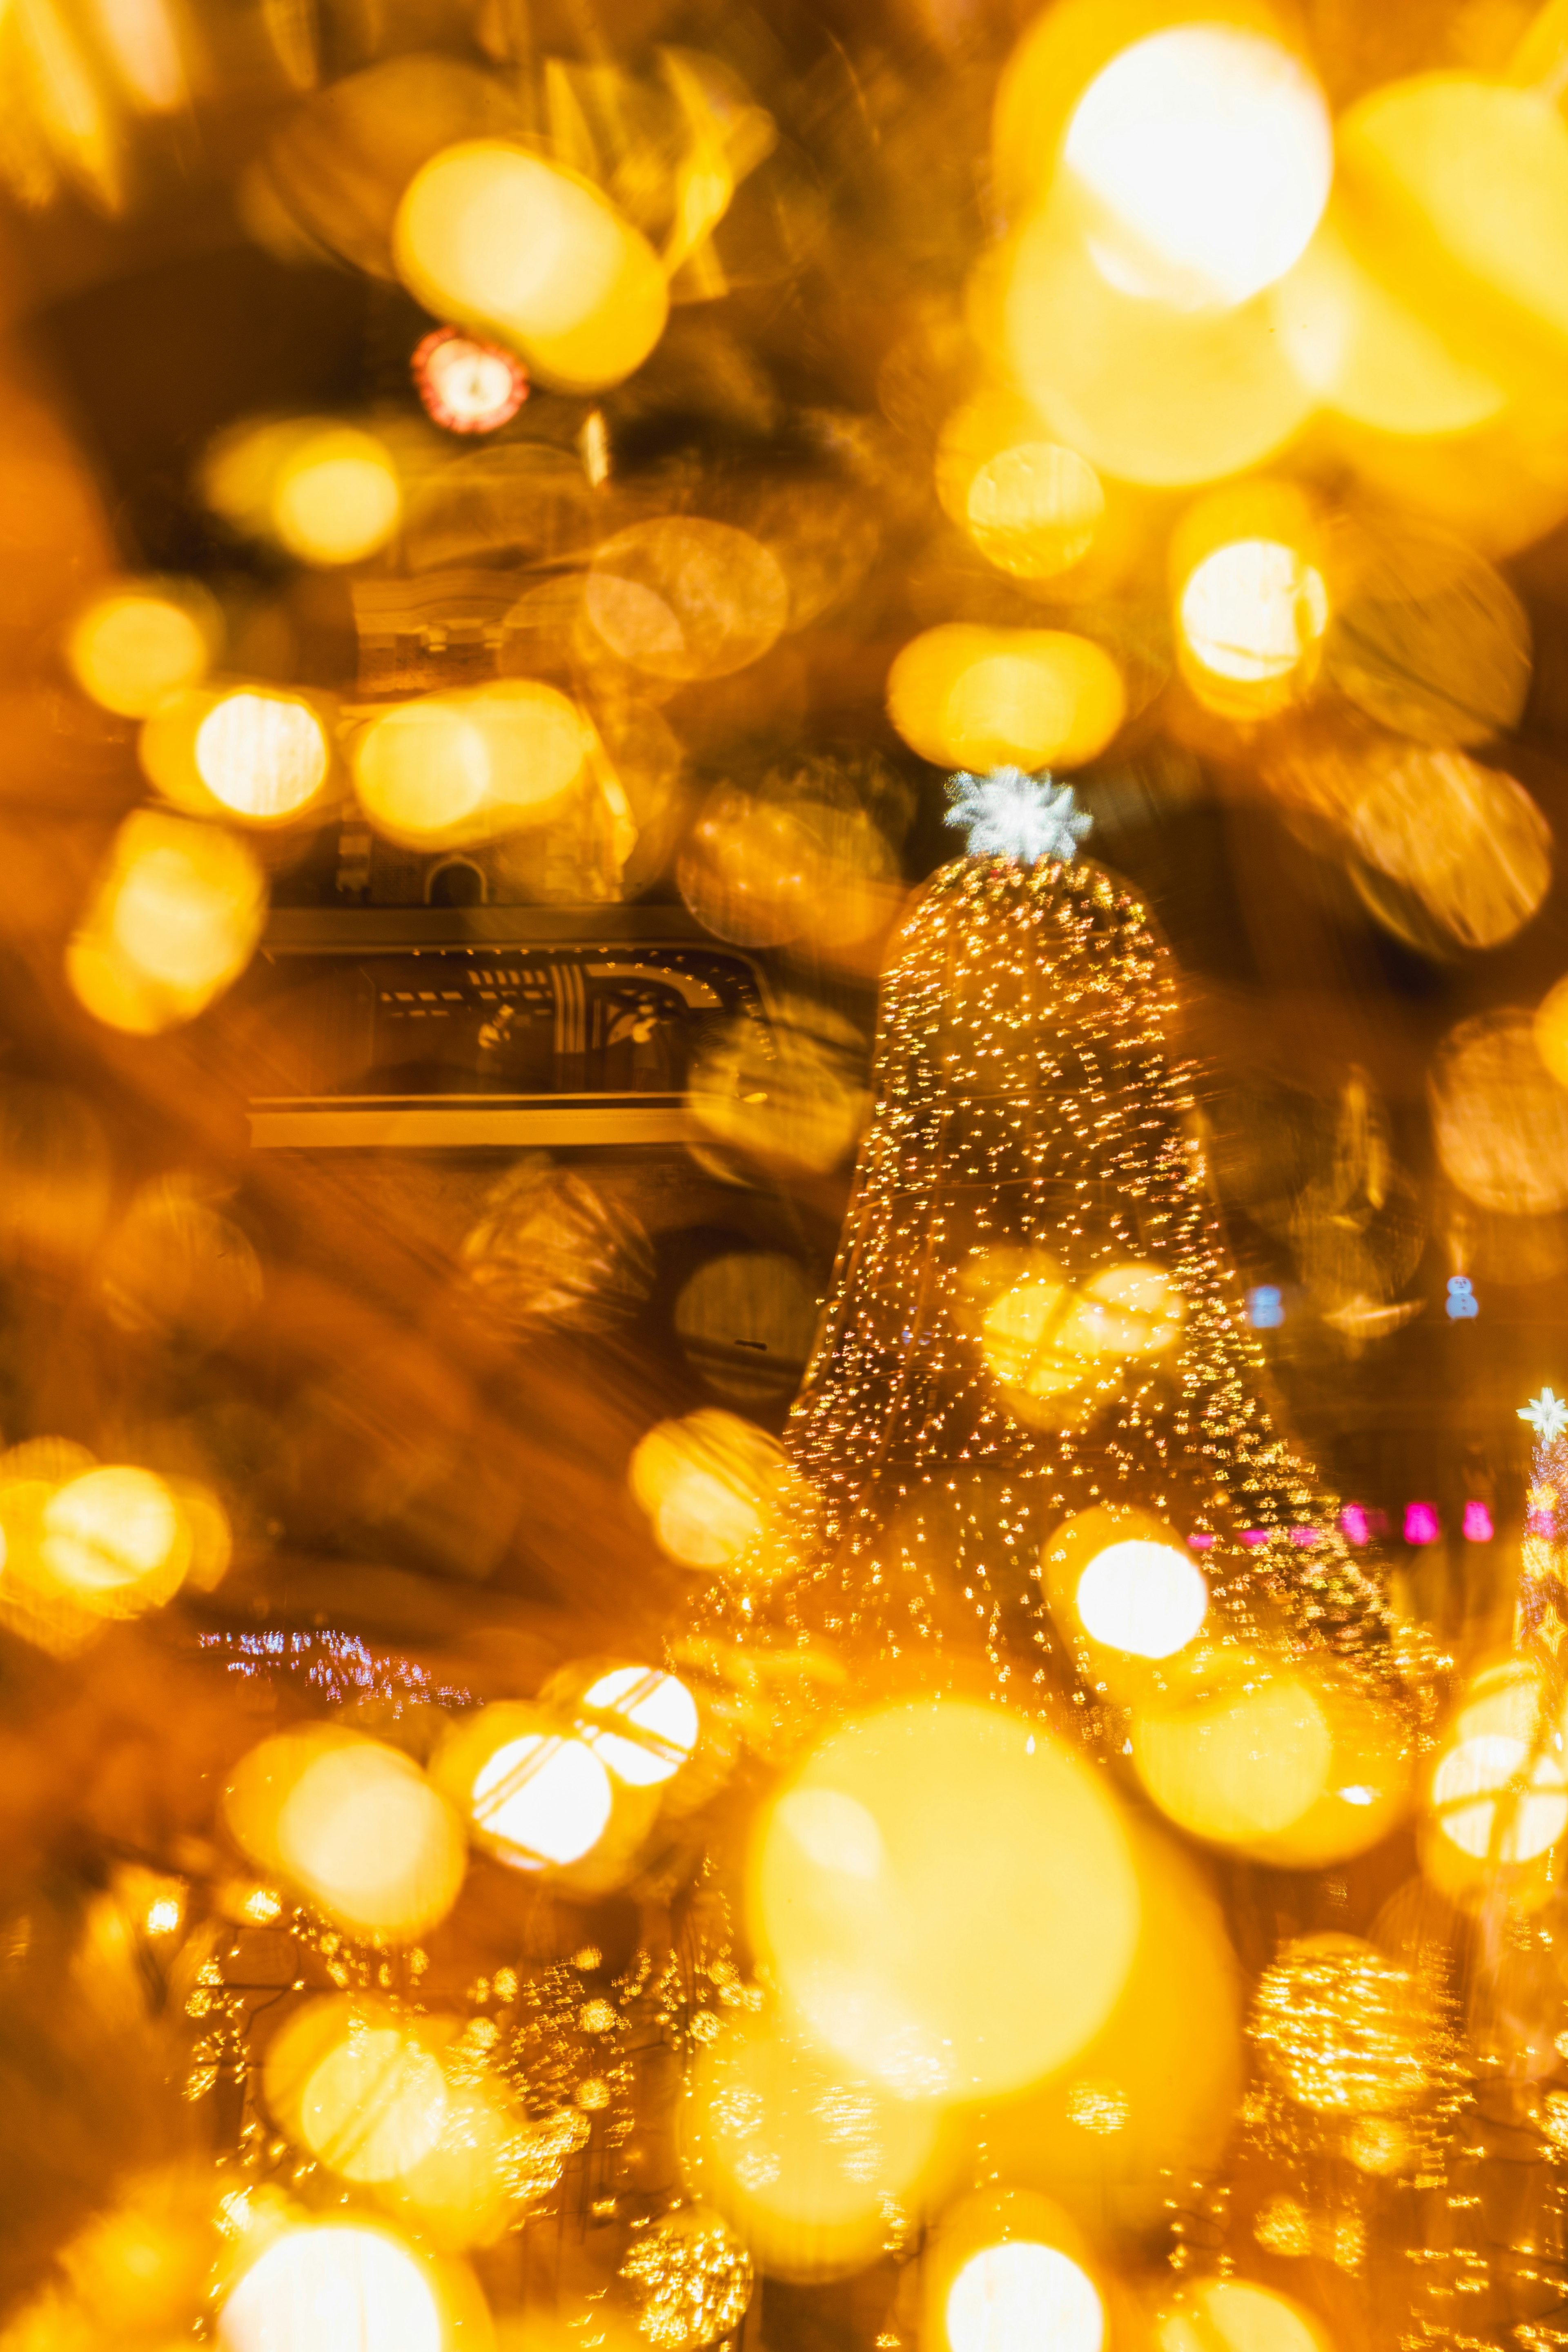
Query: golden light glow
{"points": [[1230, 2316], [880, 1874], [1295, 1765], [336, 498], [131, 648], [1206, 155], [355, 1824], [328, 492], [1465, 840], [1144, 1598], [1365, 352], [1031, 507], [1250, 614], [113, 1539], [706, 1483], [1469, 1789], [146, 51], [1156, 2088], [498, 238], [1034, 509], [1428, 637], [1019, 2297], [1343, 2029], [462, 767], [1239, 1765], [1499, 1119], [1552, 1031], [684, 598], [315, 2289], [358, 2086], [1146, 392], [262, 755], [1467, 178], [964, 696], [1045, 1339], [1497, 1800], [175, 917], [799, 2156], [640, 1723]]}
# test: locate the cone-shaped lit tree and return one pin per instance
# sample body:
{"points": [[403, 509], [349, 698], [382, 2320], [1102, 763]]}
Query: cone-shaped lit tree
{"points": [[1033, 1312]]}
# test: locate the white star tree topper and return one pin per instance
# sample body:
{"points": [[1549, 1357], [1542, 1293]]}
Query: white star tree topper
{"points": [[1010, 814], [1547, 1415]]}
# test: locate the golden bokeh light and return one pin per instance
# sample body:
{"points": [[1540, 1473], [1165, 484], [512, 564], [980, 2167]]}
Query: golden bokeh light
{"points": [[1462, 184], [1146, 1599], [1466, 841], [1343, 2029], [800, 2157], [1238, 1765], [422, 771], [1047, 1341], [641, 1724], [358, 2084], [1498, 1798], [1552, 1031], [882, 1878], [1470, 1788], [1290, 1764], [683, 598], [1499, 1119], [1233, 2315], [1427, 638], [1146, 392], [1155, 2090], [1204, 154], [174, 919], [336, 498], [464, 767], [799, 1098], [707, 1483], [328, 492], [316, 2288], [964, 696], [498, 238], [139, 643], [534, 1793], [1034, 509], [1252, 614], [1031, 507], [1367, 354], [262, 755], [115, 1541], [355, 1824]]}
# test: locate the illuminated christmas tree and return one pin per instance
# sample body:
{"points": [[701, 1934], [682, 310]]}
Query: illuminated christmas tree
{"points": [[1034, 1313]]}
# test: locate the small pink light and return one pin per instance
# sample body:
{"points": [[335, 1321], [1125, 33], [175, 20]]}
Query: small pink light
{"points": [[467, 386], [1541, 1523], [1352, 1524], [1477, 1523], [1304, 1537], [1422, 1525], [1253, 1537], [1200, 1543]]}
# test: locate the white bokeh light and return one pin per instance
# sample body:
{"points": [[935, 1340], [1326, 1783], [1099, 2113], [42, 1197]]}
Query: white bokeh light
{"points": [[1024, 2297], [1146, 1599], [1208, 154]]}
